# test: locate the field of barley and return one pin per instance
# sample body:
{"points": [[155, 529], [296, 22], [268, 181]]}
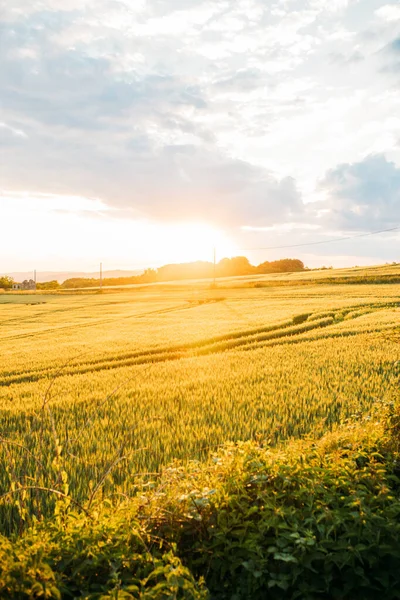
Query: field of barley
{"points": [[109, 387]]}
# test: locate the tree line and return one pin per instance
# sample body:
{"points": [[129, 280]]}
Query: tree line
{"points": [[227, 267]]}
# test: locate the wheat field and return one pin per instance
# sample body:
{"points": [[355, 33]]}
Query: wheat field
{"points": [[116, 385]]}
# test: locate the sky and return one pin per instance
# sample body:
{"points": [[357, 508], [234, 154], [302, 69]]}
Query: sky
{"points": [[139, 133]]}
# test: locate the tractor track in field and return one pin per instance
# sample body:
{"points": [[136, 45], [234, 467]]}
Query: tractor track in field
{"points": [[68, 310], [96, 323], [285, 332]]}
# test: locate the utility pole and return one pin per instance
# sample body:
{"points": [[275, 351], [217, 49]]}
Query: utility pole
{"points": [[101, 275], [214, 265], [34, 278]]}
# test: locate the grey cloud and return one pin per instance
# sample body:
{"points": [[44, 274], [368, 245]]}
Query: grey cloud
{"points": [[346, 59], [139, 178], [390, 55], [394, 46], [72, 87], [118, 115], [165, 7], [11, 135], [178, 124], [242, 81], [362, 195], [79, 91], [225, 190]]}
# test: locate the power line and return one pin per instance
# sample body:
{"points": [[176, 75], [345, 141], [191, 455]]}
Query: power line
{"points": [[339, 239]]}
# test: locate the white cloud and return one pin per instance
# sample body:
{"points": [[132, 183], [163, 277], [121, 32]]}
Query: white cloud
{"points": [[330, 5], [31, 204], [13, 130], [389, 12]]}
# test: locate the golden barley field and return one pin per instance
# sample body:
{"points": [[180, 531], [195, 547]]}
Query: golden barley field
{"points": [[127, 381]]}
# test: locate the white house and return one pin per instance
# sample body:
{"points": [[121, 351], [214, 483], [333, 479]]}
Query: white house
{"points": [[25, 285]]}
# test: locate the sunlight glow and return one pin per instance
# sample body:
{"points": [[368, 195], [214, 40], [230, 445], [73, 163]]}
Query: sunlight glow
{"points": [[59, 232]]}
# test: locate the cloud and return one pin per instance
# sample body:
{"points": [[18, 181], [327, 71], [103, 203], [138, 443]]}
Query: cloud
{"points": [[363, 195], [244, 80], [142, 179], [10, 135], [389, 12], [346, 59], [391, 54], [394, 46], [198, 184], [330, 5], [219, 110], [71, 88]]}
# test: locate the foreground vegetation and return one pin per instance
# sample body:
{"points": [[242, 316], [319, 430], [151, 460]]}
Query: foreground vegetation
{"points": [[274, 401], [308, 519]]}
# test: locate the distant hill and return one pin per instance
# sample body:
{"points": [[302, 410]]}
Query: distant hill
{"points": [[60, 276]]}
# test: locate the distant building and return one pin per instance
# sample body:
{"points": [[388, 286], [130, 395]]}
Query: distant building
{"points": [[25, 285]]}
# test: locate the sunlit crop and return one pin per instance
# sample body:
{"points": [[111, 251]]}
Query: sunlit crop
{"points": [[110, 387]]}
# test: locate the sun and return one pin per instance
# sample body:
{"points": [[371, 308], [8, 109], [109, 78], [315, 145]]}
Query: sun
{"points": [[147, 243], [188, 242]]}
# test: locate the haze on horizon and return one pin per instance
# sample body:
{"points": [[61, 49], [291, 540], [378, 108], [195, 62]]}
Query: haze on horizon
{"points": [[141, 133]]}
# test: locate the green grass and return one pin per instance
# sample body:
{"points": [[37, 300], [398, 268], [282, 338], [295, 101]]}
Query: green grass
{"points": [[19, 298]]}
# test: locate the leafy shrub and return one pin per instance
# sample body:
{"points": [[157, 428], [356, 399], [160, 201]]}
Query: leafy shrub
{"points": [[106, 557], [318, 520], [310, 519]]}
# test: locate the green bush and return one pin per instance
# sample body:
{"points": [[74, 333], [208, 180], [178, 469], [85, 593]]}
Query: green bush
{"points": [[318, 532], [311, 519], [107, 557], [315, 520]]}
